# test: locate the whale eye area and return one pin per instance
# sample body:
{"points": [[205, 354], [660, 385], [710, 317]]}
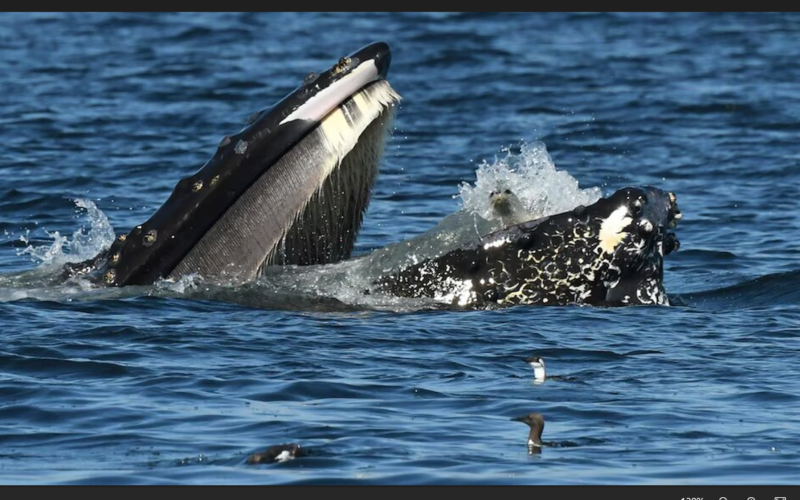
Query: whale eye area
{"points": [[507, 191], [637, 205]]}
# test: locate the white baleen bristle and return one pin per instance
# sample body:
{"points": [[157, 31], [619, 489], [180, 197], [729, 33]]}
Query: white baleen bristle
{"points": [[327, 148], [342, 127], [314, 195]]}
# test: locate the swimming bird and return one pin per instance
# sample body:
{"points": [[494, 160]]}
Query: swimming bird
{"points": [[536, 422], [537, 364], [277, 453]]}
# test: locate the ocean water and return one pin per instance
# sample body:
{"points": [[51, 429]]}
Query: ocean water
{"points": [[179, 382]]}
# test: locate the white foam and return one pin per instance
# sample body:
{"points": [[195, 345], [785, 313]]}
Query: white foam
{"points": [[530, 173], [84, 243], [181, 285], [532, 176]]}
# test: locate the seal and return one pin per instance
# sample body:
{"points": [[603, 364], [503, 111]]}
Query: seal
{"points": [[610, 253], [507, 206]]}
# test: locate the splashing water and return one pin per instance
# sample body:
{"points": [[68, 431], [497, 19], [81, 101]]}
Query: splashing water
{"points": [[45, 281], [180, 286], [530, 173], [532, 176], [84, 244]]}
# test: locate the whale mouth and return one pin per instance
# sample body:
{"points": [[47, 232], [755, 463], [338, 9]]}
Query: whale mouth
{"points": [[290, 188], [340, 82]]}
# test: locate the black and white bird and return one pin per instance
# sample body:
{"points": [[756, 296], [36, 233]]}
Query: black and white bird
{"points": [[277, 453], [537, 363]]}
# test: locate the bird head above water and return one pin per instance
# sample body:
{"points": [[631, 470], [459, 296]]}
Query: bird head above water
{"points": [[537, 363], [536, 422]]}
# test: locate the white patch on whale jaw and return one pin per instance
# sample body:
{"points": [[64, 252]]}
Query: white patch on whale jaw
{"points": [[611, 230], [328, 99]]}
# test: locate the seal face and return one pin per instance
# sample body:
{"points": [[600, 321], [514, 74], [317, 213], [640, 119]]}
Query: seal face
{"points": [[507, 206], [609, 253]]}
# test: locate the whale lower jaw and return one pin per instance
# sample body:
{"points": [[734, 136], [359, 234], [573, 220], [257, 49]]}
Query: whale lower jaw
{"points": [[307, 208]]}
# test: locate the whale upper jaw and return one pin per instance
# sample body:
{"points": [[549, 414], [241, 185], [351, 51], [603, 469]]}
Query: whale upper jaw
{"points": [[281, 163]]}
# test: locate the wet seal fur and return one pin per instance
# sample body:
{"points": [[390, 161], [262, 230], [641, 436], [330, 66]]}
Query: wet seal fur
{"points": [[610, 253], [507, 207]]}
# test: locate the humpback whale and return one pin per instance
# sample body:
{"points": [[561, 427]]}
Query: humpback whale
{"points": [[290, 188], [608, 253]]}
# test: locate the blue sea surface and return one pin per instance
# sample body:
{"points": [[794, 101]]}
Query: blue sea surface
{"points": [[168, 385]]}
